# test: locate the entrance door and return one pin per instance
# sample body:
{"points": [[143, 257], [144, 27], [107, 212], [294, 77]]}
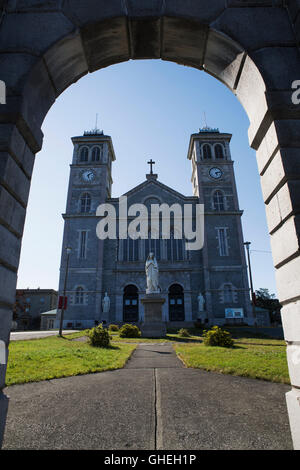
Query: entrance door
{"points": [[130, 304], [176, 303]]}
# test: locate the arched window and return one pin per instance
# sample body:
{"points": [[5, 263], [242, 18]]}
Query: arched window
{"points": [[96, 154], [84, 154], [219, 152], [206, 150], [218, 201], [228, 295], [85, 203], [79, 296]]}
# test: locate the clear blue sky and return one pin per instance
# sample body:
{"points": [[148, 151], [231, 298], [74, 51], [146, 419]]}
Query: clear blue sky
{"points": [[150, 109]]}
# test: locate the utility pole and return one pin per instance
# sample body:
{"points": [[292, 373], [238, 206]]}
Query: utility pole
{"points": [[68, 250], [247, 245]]}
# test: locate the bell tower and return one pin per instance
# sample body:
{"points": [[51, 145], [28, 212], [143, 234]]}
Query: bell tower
{"points": [[89, 186], [224, 262]]}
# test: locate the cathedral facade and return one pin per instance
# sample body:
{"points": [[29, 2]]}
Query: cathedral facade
{"points": [[210, 284]]}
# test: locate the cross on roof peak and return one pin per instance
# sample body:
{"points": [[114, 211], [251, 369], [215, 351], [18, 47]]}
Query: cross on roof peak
{"points": [[151, 163]]}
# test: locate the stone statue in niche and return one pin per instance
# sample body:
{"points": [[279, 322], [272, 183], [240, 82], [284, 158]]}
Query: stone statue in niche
{"points": [[201, 303], [106, 303], [152, 274]]}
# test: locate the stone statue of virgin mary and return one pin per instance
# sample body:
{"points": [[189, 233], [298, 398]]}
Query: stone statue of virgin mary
{"points": [[152, 274]]}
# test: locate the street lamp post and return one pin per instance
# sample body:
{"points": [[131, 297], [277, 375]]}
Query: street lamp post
{"points": [[247, 245], [68, 250]]}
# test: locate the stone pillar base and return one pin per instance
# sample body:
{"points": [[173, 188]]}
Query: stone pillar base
{"points": [[293, 405], [153, 330], [3, 413], [153, 326]]}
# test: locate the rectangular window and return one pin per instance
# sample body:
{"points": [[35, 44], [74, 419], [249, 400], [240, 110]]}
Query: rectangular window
{"points": [[82, 247], [223, 244]]}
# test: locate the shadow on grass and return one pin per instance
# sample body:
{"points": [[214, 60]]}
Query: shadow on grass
{"points": [[185, 340], [262, 344]]}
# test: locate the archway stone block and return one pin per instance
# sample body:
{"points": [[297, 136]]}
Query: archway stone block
{"points": [[284, 204], [284, 134], [290, 314], [12, 141], [293, 358], [223, 58], [66, 62], [184, 41], [13, 178], [145, 8], [8, 282], [293, 7], [145, 38], [39, 89], [285, 242], [106, 43], [5, 324], [251, 92], [279, 66], [12, 212], [3, 412], [202, 10], [82, 12], [283, 166], [256, 27], [293, 404], [15, 68], [33, 32], [287, 278], [10, 248], [33, 5]]}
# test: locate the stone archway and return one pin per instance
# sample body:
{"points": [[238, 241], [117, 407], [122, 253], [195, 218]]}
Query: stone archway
{"points": [[46, 46]]}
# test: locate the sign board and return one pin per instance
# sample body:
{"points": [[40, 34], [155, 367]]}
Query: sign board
{"points": [[234, 313]]}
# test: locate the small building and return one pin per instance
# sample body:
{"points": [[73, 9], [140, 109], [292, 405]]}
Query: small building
{"points": [[29, 305], [262, 316], [48, 319]]}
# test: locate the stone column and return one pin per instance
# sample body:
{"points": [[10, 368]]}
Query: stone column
{"points": [[279, 163], [278, 155], [16, 163]]}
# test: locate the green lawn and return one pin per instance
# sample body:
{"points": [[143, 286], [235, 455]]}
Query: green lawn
{"points": [[251, 357], [53, 357]]}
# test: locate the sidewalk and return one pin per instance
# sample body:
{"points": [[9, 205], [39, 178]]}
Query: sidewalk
{"points": [[153, 403]]}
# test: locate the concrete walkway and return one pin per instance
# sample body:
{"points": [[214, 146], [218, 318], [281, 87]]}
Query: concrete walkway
{"points": [[153, 403]]}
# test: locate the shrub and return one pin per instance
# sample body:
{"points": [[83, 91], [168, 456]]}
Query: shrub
{"points": [[184, 333], [113, 328], [217, 337], [99, 337], [129, 331]]}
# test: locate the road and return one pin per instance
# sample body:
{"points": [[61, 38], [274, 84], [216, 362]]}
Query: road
{"points": [[21, 335]]}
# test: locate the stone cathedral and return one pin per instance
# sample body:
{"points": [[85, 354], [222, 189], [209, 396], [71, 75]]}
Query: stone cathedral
{"points": [[117, 266]]}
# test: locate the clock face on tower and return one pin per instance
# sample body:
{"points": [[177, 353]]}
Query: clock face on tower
{"points": [[215, 173], [88, 176]]}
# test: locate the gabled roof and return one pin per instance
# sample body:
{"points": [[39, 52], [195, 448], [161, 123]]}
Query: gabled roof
{"points": [[158, 185]]}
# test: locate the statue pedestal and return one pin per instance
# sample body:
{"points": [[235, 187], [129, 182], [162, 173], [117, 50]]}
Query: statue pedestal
{"points": [[153, 326]]}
